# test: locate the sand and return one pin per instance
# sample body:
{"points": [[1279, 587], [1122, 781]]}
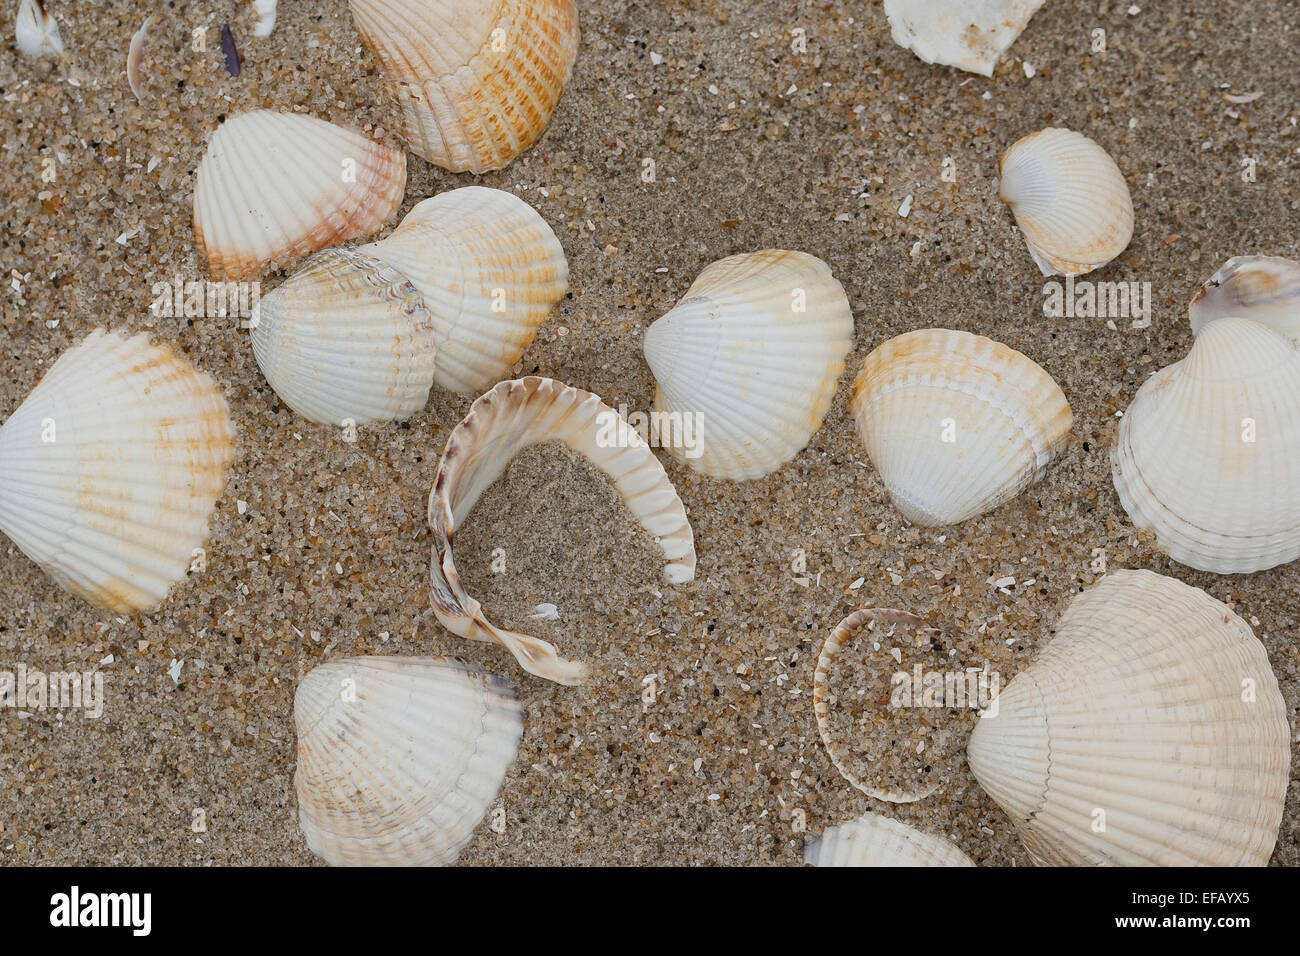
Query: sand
{"points": [[755, 146]]}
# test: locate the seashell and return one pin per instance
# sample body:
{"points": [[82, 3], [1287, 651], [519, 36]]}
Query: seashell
{"points": [[475, 84], [957, 424], [1070, 201], [273, 187], [110, 468], [134, 54], [36, 31], [513, 416], [873, 840], [399, 758], [1263, 288], [451, 298], [751, 356], [1208, 453], [347, 340], [489, 269], [970, 35], [1155, 706]]}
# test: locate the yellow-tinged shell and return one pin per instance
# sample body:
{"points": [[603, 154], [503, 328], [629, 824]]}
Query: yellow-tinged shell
{"points": [[475, 81], [111, 467], [1070, 201], [873, 840], [504, 421], [1265, 289], [1149, 732], [399, 758], [747, 363], [956, 423], [274, 187]]}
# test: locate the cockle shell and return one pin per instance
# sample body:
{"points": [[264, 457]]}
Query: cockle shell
{"points": [[451, 298], [1149, 732], [1070, 201], [476, 83], [873, 840], [968, 34], [274, 187], [1208, 453], [489, 269], [399, 758], [502, 422], [751, 357], [956, 423], [1263, 288], [111, 467]]}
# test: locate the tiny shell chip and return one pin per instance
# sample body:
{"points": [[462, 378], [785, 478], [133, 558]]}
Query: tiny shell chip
{"points": [[513, 416], [274, 187], [1149, 732], [111, 467], [475, 83], [1265, 289], [1070, 201], [873, 840], [399, 758], [968, 34], [957, 424]]}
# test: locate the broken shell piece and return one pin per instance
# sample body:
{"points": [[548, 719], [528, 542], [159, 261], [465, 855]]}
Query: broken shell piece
{"points": [[1070, 201], [265, 10], [513, 416], [957, 424], [845, 632], [968, 34], [489, 270], [111, 467], [274, 187], [399, 758], [873, 840], [36, 31], [476, 84], [347, 340], [1263, 288], [1208, 453], [133, 56], [749, 359], [1149, 732]]}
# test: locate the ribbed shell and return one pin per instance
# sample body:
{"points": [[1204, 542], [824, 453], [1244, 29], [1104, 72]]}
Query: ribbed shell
{"points": [[489, 270], [115, 505], [1135, 709], [1263, 288], [475, 82], [1007, 417], [1070, 201], [970, 34], [399, 758], [274, 187], [347, 339], [1185, 466], [501, 423], [873, 840], [753, 353]]}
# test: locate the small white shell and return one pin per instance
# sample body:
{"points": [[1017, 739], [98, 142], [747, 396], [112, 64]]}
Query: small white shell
{"points": [[968, 34], [399, 758], [513, 416], [111, 467], [489, 270], [956, 423], [35, 30], [273, 187], [1149, 732], [873, 840], [749, 359], [1208, 453], [476, 83], [1070, 201], [1263, 288]]}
